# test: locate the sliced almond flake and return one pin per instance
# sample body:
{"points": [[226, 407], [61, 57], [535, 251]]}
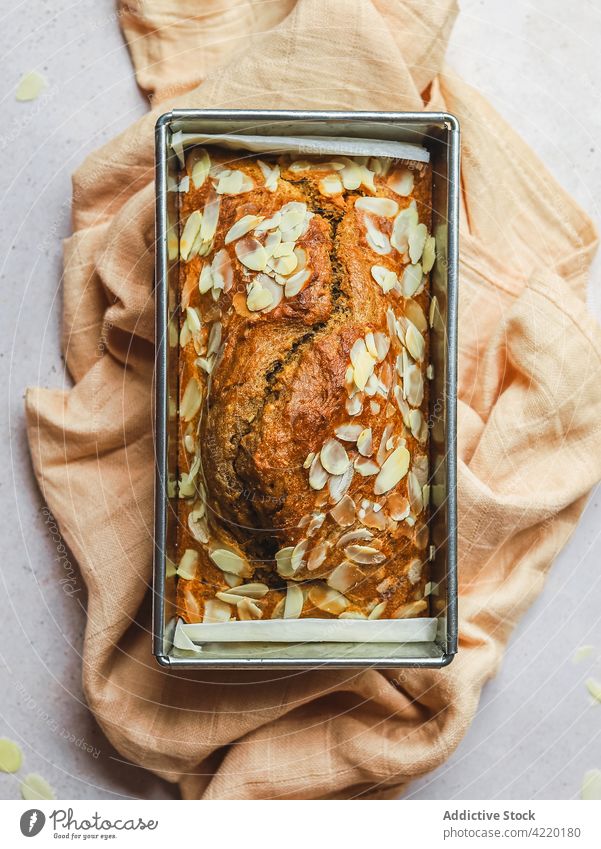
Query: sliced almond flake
{"points": [[373, 517], [309, 460], [418, 426], [247, 609], [410, 610], [378, 610], [411, 280], [430, 371], [426, 494], [429, 254], [11, 756], [398, 507], [189, 443], [405, 221], [338, 485], [374, 407], [232, 580], [318, 556], [214, 338], [330, 185], [583, 653], [191, 400], [270, 175], [243, 226], [193, 320], [188, 564], [344, 512], [230, 182], [327, 599], [253, 590], [210, 217], [432, 311], [413, 384], [352, 614], [385, 207], [393, 470], [298, 555], [295, 283], [376, 239], [366, 467], [384, 277], [251, 253], [334, 458], [284, 265], [345, 576], [594, 688], [205, 280], [318, 477], [200, 167], [415, 314], [283, 559], [295, 599], [348, 432], [353, 536], [383, 450], [401, 182], [191, 230], [414, 571], [354, 406], [30, 87], [300, 165], [216, 611], [229, 598], [351, 175], [258, 298], [269, 285], [365, 444], [229, 561], [363, 364], [315, 523], [34, 787], [222, 271], [591, 785], [417, 240], [432, 555], [206, 364], [367, 179], [364, 555], [278, 610]]}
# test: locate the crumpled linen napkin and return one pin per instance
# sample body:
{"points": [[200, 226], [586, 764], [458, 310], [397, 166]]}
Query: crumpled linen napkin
{"points": [[529, 404]]}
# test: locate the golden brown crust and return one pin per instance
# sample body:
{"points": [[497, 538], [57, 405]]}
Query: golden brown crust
{"points": [[282, 382]]}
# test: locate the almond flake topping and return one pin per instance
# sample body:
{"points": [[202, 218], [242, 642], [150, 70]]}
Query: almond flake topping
{"points": [[229, 561], [364, 554], [318, 477], [243, 226], [344, 512], [327, 599], [385, 207], [190, 231], [393, 470], [385, 278], [401, 182], [345, 576], [191, 400], [251, 253], [295, 599], [365, 444], [411, 280], [348, 432], [429, 254], [330, 185], [200, 169]]}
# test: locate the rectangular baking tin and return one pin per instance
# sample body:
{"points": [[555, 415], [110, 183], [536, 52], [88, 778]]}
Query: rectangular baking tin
{"points": [[439, 132]]}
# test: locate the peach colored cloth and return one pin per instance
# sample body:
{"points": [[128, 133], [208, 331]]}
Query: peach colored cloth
{"points": [[529, 408]]}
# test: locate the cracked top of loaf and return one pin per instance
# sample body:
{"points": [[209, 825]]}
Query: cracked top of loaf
{"points": [[303, 451]]}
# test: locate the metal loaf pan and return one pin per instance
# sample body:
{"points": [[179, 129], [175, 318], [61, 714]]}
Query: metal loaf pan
{"points": [[439, 132]]}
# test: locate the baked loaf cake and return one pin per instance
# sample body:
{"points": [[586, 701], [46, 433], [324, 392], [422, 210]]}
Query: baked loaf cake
{"points": [[303, 464]]}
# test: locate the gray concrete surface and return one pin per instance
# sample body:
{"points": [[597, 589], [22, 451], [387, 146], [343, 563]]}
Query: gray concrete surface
{"points": [[536, 731]]}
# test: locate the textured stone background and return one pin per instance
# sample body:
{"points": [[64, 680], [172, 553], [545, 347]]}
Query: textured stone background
{"points": [[536, 731]]}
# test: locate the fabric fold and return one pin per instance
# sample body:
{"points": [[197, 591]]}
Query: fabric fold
{"points": [[529, 405]]}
